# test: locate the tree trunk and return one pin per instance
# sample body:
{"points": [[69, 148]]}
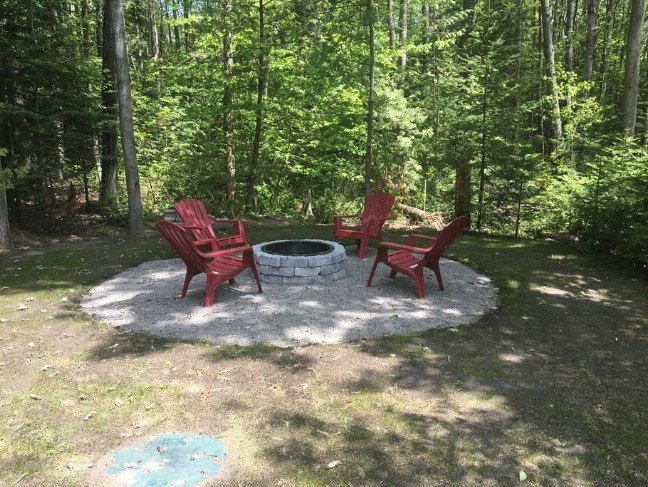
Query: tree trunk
{"points": [[549, 53], [462, 170], [109, 165], [262, 77], [590, 40], [646, 126], [518, 210], [390, 24], [482, 164], [136, 219], [425, 12], [633, 52], [403, 34], [433, 219], [228, 101], [155, 40], [186, 11], [370, 102], [176, 28], [569, 35], [610, 16], [5, 235]]}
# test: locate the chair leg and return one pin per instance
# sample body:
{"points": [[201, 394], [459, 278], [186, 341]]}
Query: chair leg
{"points": [[232, 281], [392, 274], [256, 276], [210, 290], [363, 248], [373, 270], [437, 273], [188, 277], [420, 285]]}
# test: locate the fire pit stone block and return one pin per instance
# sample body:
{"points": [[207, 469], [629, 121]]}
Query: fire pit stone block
{"points": [[301, 269]]}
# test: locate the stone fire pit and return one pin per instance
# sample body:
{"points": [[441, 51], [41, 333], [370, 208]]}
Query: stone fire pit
{"points": [[300, 262]]}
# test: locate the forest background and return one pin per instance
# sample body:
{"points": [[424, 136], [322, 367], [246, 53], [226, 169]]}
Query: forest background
{"points": [[530, 116]]}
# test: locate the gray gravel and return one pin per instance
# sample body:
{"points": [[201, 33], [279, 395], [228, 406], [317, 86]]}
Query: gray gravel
{"points": [[147, 299]]}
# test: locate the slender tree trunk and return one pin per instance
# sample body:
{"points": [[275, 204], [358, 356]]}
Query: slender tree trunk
{"points": [[540, 78], [109, 165], [87, 149], [228, 102], [403, 34], [569, 35], [370, 101], [610, 16], [425, 12], [549, 53], [646, 125], [155, 40], [186, 11], [633, 56], [518, 210], [590, 40], [135, 214], [390, 24], [262, 77], [482, 164], [176, 28], [463, 188], [5, 235]]}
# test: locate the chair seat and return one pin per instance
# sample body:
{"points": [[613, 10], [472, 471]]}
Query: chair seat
{"points": [[219, 266], [225, 265], [402, 258]]}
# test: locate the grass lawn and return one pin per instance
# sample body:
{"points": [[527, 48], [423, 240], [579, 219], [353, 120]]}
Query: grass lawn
{"points": [[552, 383]]}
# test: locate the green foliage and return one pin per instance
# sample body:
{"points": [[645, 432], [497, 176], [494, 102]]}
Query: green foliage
{"points": [[474, 94]]}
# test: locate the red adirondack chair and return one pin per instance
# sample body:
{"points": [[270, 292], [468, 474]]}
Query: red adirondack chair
{"points": [[195, 218], [376, 211], [402, 259], [219, 266]]}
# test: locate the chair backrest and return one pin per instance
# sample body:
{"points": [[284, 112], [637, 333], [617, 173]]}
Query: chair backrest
{"points": [[193, 212], [378, 205], [447, 235], [181, 242]]}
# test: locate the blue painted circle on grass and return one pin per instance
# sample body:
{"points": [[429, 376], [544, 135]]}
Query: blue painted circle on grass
{"points": [[170, 459]]}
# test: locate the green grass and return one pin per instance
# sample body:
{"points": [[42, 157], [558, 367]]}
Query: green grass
{"points": [[552, 383]]}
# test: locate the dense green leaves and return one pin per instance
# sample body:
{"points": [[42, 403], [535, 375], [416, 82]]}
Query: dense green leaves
{"points": [[471, 113]]}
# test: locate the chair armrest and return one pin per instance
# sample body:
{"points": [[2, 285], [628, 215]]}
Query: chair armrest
{"points": [[202, 241], [408, 248], [219, 253], [414, 236]]}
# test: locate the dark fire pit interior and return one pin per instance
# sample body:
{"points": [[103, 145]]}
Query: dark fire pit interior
{"points": [[297, 247]]}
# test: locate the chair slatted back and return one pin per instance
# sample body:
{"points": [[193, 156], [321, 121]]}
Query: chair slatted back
{"points": [[447, 235], [378, 206], [193, 212], [181, 242]]}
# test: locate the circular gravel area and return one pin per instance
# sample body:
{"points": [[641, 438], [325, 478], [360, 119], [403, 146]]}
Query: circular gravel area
{"points": [[147, 299]]}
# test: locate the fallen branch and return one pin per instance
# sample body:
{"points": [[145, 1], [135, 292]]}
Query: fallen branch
{"points": [[433, 219]]}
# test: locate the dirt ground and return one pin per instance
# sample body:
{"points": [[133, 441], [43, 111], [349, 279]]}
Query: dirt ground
{"points": [[550, 387]]}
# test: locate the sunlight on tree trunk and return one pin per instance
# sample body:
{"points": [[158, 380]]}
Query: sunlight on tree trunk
{"points": [[135, 214], [633, 56]]}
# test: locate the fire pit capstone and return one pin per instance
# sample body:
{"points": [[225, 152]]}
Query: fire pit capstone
{"points": [[307, 261]]}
